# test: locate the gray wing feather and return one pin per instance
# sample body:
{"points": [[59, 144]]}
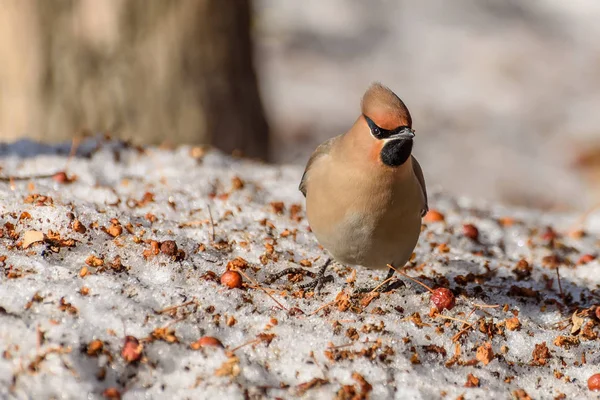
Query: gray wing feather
{"points": [[322, 150], [421, 179]]}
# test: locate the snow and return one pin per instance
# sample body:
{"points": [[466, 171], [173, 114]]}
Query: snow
{"points": [[389, 347]]}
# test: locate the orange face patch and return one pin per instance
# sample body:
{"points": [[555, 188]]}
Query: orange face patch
{"points": [[389, 120], [375, 151]]}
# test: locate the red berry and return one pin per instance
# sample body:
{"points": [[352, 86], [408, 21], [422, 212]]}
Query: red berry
{"points": [[433, 216], [132, 349], [586, 258], [206, 341], [231, 279], [471, 231], [594, 382], [443, 299]]}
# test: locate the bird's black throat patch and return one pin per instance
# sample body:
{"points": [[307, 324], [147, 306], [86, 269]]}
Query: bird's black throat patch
{"points": [[395, 152]]}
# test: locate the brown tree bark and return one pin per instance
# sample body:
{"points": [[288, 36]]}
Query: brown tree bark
{"points": [[152, 71]]}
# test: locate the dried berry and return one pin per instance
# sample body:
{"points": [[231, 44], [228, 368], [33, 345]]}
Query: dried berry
{"points": [[443, 299], [522, 269], [95, 347], [112, 393], [114, 230], [169, 247], [206, 341], [62, 177], [132, 349], [594, 382], [433, 216], [237, 183], [231, 279], [78, 226], [471, 231], [550, 234], [586, 258]]}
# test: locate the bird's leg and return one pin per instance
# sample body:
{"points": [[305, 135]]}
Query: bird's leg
{"points": [[386, 287], [319, 278]]}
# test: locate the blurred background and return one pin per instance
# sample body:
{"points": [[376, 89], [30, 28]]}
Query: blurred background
{"points": [[504, 94]]}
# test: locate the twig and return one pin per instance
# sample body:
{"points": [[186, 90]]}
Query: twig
{"points": [[171, 308], [459, 334], [453, 319], [322, 307], [411, 278], [562, 295], [212, 224], [486, 305], [381, 284], [25, 178], [465, 329], [74, 145], [257, 285], [253, 341], [191, 223]]}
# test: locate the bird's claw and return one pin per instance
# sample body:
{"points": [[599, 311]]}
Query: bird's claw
{"points": [[319, 278], [317, 283]]}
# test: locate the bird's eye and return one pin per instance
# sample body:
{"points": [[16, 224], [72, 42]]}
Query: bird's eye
{"points": [[375, 130]]}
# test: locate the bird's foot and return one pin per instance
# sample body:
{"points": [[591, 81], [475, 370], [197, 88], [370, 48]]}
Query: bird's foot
{"points": [[319, 278]]}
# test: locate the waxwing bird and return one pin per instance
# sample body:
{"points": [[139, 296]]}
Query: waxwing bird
{"points": [[365, 192]]}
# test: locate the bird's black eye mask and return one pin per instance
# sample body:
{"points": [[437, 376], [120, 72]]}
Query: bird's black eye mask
{"points": [[380, 133]]}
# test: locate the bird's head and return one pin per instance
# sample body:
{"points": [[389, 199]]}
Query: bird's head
{"points": [[387, 120]]}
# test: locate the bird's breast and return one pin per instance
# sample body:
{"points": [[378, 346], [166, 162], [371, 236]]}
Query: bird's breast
{"points": [[364, 216]]}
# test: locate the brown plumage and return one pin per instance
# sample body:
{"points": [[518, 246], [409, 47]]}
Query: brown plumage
{"points": [[365, 194]]}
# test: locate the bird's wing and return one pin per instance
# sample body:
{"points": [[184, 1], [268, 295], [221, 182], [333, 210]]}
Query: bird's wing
{"points": [[322, 150], [421, 179]]}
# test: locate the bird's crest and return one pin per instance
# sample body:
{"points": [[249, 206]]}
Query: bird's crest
{"points": [[385, 108]]}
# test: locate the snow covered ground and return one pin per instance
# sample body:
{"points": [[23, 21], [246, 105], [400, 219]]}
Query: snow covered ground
{"points": [[88, 262]]}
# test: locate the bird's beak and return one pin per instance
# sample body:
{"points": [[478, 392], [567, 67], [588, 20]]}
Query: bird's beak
{"points": [[404, 133]]}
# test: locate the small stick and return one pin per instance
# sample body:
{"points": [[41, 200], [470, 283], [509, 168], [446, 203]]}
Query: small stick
{"points": [[256, 284], [322, 307], [74, 145], [253, 341], [486, 305], [411, 278], [312, 355], [171, 308], [191, 223], [381, 284], [459, 334], [24, 178], [562, 295], [212, 224], [453, 319]]}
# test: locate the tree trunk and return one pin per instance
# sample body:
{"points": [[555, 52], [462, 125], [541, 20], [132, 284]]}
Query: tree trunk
{"points": [[177, 71]]}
